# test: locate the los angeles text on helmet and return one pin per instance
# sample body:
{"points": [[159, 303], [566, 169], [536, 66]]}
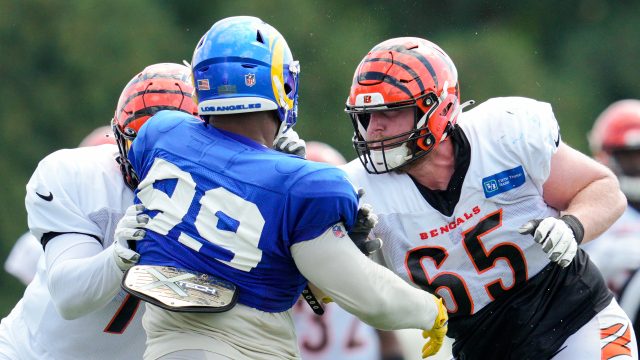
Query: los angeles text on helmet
{"points": [[231, 107]]}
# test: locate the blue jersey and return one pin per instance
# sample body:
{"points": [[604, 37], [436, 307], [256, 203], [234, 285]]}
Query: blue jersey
{"points": [[224, 205]]}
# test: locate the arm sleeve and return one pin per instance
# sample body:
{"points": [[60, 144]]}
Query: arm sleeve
{"points": [[369, 291], [82, 276]]}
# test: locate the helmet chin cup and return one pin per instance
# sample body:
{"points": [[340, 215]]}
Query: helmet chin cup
{"points": [[390, 159]]}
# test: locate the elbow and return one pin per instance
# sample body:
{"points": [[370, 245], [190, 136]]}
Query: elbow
{"points": [[67, 309], [66, 302], [619, 202]]}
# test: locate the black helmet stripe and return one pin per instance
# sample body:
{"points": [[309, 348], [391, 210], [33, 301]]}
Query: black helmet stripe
{"points": [[378, 76], [411, 72], [139, 93], [403, 50], [148, 111]]}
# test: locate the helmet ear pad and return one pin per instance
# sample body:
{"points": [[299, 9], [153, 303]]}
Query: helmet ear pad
{"points": [[438, 122]]}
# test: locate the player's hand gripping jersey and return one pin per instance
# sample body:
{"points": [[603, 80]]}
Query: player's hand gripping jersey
{"points": [[74, 201], [466, 247], [224, 205]]}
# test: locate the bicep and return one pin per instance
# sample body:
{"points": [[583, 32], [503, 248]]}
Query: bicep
{"points": [[571, 171]]}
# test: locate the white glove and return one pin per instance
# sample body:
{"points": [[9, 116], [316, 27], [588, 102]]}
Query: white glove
{"points": [[287, 141], [129, 230], [559, 238]]}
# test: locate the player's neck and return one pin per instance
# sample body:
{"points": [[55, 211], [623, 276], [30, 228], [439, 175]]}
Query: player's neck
{"points": [[435, 170], [259, 126]]}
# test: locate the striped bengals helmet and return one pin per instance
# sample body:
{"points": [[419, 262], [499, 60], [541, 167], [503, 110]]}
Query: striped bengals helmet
{"points": [[158, 87], [399, 73], [615, 142]]}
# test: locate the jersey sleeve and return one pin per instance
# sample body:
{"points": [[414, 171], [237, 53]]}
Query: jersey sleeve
{"points": [[55, 196], [532, 134], [318, 201]]}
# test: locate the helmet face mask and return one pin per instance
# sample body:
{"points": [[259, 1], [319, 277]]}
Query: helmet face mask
{"points": [[158, 87], [391, 152], [403, 73], [243, 64]]}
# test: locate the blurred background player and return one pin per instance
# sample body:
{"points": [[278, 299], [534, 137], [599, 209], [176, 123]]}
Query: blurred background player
{"points": [[615, 142], [338, 335], [22, 261], [76, 198]]}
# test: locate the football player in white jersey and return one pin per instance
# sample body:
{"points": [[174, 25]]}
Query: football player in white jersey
{"points": [[615, 142], [486, 209], [74, 308], [337, 334], [23, 259]]}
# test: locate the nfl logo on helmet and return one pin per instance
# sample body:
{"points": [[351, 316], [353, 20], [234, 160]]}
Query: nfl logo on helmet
{"points": [[250, 79]]}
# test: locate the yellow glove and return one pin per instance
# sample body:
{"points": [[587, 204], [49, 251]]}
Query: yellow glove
{"points": [[437, 333]]}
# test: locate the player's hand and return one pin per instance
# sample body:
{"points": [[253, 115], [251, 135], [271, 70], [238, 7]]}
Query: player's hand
{"points": [[366, 220], [287, 141], [129, 230], [435, 336], [559, 238]]}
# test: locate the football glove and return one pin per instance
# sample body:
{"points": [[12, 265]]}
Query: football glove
{"points": [[435, 336], [287, 141], [558, 237], [366, 220], [129, 230]]}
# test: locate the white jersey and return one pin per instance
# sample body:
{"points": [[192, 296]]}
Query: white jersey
{"points": [[334, 335], [473, 255], [74, 191]]}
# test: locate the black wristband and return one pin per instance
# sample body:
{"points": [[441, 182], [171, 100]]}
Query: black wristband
{"points": [[575, 225], [393, 357]]}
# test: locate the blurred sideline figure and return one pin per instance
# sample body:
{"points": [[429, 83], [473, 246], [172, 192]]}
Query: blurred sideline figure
{"points": [[615, 142], [238, 228], [23, 258], [338, 335], [76, 201]]}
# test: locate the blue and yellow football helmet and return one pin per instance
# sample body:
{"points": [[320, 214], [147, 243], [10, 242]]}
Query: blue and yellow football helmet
{"points": [[243, 64]]}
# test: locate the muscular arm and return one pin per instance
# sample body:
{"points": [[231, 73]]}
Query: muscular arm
{"points": [[82, 276], [369, 291], [580, 186]]}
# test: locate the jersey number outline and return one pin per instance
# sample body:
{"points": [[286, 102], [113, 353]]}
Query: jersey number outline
{"points": [[236, 226], [240, 233], [482, 259], [123, 316]]}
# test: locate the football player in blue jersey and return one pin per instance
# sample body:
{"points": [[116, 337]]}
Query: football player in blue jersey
{"points": [[237, 229]]}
